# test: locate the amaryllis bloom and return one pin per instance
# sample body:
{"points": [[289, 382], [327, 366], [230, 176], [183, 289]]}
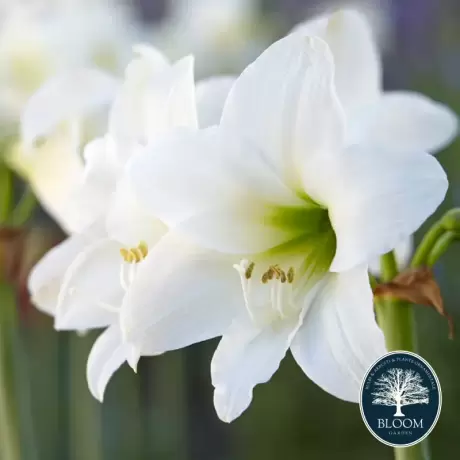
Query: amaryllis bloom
{"points": [[38, 42], [287, 216], [223, 36], [398, 120], [82, 282]]}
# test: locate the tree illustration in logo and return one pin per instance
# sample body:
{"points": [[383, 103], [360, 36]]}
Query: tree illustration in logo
{"points": [[400, 387]]}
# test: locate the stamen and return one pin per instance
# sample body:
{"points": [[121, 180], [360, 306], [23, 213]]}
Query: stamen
{"points": [[245, 269], [135, 255], [290, 275], [281, 292], [249, 270], [123, 282], [131, 256], [279, 299]]}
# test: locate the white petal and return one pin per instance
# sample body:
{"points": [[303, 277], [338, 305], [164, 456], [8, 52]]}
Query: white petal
{"points": [[245, 357], [91, 291], [128, 221], [211, 95], [356, 57], [181, 295], [63, 98], [339, 338], [218, 196], [106, 356], [403, 252], [53, 171], [379, 198], [405, 121], [46, 277], [285, 104], [92, 193], [151, 60], [153, 102]]}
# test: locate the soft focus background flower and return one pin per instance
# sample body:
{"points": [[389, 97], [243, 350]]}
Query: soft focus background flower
{"points": [[166, 411]]}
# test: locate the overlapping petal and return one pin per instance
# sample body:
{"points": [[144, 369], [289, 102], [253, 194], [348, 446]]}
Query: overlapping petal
{"points": [[284, 104], [220, 180], [128, 222], [63, 98], [246, 356], [401, 120], [107, 355], [339, 338], [46, 277], [153, 100], [91, 292], [211, 94], [181, 295], [356, 57], [376, 200]]}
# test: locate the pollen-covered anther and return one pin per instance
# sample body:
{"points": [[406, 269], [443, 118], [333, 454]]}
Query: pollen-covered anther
{"points": [[249, 270], [290, 275], [135, 255], [275, 272]]}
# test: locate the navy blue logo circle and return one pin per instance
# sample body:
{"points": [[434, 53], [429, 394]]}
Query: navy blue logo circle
{"points": [[400, 399]]}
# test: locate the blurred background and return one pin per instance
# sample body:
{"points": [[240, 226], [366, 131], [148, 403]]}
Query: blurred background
{"points": [[165, 412]]}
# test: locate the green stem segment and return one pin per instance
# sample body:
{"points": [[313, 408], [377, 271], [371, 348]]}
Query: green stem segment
{"points": [[395, 317], [396, 320], [425, 247], [9, 428], [440, 247]]}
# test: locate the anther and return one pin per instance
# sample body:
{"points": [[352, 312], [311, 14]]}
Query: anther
{"points": [[135, 255], [290, 275], [249, 270], [282, 276]]}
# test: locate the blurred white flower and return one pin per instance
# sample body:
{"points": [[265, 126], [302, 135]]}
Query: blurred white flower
{"points": [[223, 36], [277, 190], [397, 120], [82, 282], [39, 42], [45, 51]]}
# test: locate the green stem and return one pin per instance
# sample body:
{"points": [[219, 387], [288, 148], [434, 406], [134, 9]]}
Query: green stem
{"points": [[24, 209], [6, 192], [417, 452], [395, 317], [440, 247], [9, 432], [429, 240]]}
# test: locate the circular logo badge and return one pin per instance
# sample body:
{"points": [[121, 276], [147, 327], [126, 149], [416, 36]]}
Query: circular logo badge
{"points": [[400, 399]]}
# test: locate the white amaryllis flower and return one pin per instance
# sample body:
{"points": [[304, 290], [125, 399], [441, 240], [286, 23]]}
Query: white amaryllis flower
{"points": [[398, 120], [297, 213], [83, 281], [54, 76], [223, 36], [38, 42]]}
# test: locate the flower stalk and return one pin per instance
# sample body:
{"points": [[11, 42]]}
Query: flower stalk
{"points": [[9, 427], [396, 320]]}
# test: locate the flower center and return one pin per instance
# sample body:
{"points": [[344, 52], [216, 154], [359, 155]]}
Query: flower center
{"points": [[269, 297], [131, 259]]}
